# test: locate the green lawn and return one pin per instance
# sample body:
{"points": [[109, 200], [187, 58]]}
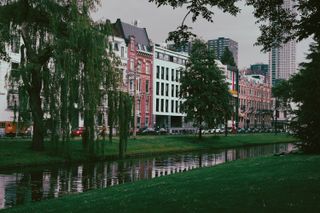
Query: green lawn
{"points": [[17, 153], [288, 183]]}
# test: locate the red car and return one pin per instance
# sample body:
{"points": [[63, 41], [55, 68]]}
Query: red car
{"points": [[77, 132]]}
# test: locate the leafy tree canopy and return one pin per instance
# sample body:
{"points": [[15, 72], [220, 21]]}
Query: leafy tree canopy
{"points": [[227, 58], [204, 88], [304, 90]]}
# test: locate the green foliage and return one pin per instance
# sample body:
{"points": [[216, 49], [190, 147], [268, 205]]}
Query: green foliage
{"points": [[304, 90], [195, 8], [125, 109], [204, 88], [227, 58]]}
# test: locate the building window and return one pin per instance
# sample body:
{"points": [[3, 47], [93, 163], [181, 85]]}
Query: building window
{"points": [[116, 47], [177, 91], [158, 72], [177, 106], [122, 52], [171, 58], [147, 68], [157, 105], [177, 76], [167, 105], [139, 105], [138, 122], [139, 85], [162, 73], [147, 104], [162, 88], [172, 90], [167, 74], [162, 103], [167, 90], [131, 85], [131, 64], [172, 106], [139, 66], [172, 74], [147, 122], [157, 88], [147, 86]]}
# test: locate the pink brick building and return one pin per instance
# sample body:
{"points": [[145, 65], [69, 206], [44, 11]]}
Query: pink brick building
{"points": [[139, 70], [255, 101]]}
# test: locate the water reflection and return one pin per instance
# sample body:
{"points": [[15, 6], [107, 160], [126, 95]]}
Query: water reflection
{"points": [[25, 185]]}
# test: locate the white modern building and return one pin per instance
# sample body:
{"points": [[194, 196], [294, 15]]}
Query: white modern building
{"points": [[168, 66], [282, 60]]}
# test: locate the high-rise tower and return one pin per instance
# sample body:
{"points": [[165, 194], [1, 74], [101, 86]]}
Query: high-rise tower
{"points": [[219, 45], [282, 60]]}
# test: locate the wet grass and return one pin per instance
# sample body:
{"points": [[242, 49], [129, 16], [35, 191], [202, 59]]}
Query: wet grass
{"points": [[288, 183], [15, 153]]}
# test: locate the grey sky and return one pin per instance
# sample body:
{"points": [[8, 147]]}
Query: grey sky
{"points": [[160, 21]]}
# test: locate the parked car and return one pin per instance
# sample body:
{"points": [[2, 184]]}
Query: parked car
{"points": [[241, 131], [77, 132], [162, 131], [148, 131]]}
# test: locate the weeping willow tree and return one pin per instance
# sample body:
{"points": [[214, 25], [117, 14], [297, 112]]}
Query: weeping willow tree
{"points": [[63, 63], [88, 74], [112, 111], [125, 107]]}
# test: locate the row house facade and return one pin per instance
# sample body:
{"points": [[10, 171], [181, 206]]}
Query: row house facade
{"points": [[137, 76], [255, 100]]}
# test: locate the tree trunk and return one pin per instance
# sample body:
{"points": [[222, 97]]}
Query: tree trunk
{"points": [[37, 117], [226, 127]]}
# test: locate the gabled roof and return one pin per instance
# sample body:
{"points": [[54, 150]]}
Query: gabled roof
{"points": [[126, 30]]}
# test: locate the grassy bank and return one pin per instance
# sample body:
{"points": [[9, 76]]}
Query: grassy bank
{"points": [[17, 153], [270, 184]]}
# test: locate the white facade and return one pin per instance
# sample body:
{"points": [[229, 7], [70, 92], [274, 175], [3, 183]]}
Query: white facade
{"points": [[120, 50], [6, 99], [166, 86]]}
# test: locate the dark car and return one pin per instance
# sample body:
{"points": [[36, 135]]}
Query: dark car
{"points": [[77, 132]]}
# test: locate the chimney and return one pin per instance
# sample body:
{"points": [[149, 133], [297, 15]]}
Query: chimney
{"points": [[136, 23]]}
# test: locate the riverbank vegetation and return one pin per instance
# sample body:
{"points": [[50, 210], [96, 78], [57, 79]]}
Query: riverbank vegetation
{"points": [[289, 183], [14, 153]]}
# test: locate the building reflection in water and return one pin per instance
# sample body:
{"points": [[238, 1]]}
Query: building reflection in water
{"points": [[25, 185]]}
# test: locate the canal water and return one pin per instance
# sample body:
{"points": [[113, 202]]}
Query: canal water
{"points": [[27, 185]]}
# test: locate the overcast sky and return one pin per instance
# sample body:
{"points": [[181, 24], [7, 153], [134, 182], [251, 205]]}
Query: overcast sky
{"points": [[160, 21]]}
